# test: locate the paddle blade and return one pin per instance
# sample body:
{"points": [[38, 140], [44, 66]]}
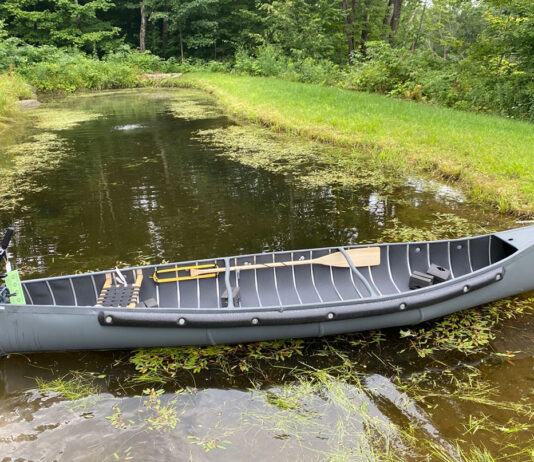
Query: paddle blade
{"points": [[368, 256]]}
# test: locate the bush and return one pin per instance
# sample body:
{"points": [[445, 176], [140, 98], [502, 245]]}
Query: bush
{"points": [[73, 73]]}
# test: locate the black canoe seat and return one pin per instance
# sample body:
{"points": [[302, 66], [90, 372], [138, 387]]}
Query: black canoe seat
{"points": [[120, 295]]}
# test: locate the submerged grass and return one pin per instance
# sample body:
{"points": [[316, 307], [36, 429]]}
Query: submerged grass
{"points": [[73, 386], [490, 156]]}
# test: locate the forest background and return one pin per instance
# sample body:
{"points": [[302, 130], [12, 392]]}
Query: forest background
{"points": [[473, 55]]}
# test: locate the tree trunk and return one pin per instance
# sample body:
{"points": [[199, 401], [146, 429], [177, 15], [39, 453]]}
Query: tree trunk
{"points": [[365, 26], [395, 17], [416, 39], [349, 21], [181, 44], [392, 17], [142, 30], [164, 33], [389, 14]]}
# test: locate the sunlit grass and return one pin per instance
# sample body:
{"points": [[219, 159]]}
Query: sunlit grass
{"points": [[491, 156], [12, 88]]}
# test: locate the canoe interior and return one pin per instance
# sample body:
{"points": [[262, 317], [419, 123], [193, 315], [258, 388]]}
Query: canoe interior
{"points": [[299, 285]]}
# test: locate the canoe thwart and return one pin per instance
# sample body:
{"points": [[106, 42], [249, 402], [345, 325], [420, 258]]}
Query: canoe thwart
{"points": [[236, 297]]}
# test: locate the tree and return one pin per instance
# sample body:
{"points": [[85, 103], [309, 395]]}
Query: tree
{"points": [[306, 28], [60, 22]]}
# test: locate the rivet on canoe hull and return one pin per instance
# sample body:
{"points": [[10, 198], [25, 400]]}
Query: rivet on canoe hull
{"points": [[109, 319], [330, 315], [498, 277], [466, 289], [402, 306], [255, 321], [181, 322]]}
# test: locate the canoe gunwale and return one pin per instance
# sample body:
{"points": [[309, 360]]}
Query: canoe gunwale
{"points": [[323, 312], [500, 235]]}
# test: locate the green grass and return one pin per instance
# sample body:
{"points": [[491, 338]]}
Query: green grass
{"points": [[12, 88], [492, 158]]}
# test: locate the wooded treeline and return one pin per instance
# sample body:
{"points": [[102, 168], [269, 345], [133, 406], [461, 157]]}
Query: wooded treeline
{"points": [[440, 50]]}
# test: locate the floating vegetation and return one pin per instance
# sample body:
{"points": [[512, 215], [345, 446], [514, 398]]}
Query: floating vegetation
{"points": [[161, 417], [73, 386], [309, 163], [468, 331], [439, 226], [189, 107], [61, 119], [208, 444], [41, 154], [155, 414], [163, 364]]}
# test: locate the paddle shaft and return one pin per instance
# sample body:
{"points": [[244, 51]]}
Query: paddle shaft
{"points": [[370, 257]]}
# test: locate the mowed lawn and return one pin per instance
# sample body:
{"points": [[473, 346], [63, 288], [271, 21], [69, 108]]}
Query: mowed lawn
{"points": [[492, 157]]}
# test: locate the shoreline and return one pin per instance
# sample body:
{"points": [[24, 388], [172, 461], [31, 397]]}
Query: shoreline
{"points": [[503, 192]]}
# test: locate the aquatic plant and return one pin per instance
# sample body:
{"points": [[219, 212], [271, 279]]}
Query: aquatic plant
{"points": [[193, 106], [162, 364], [26, 162], [439, 226], [73, 386], [468, 331], [49, 118], [308, 163]]}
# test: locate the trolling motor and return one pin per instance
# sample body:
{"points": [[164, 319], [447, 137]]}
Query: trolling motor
{"points": [[4, 291]]}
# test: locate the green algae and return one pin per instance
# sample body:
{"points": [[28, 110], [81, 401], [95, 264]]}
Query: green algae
{"points": [[49, 118], [309, 163], [438, 226], [189, 106], [42, 153]]}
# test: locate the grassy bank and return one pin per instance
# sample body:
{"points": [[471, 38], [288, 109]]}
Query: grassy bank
{"points": [[491, 157], [12, 89]]}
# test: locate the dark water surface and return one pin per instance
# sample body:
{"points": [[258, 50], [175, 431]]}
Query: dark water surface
{"points": [[138, 186]]}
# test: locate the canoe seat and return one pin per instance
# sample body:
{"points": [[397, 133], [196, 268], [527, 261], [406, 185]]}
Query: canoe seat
{"points": [[120, 295]]}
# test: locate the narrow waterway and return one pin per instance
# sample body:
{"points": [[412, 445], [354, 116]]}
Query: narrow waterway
{"points": [[130, 177]]}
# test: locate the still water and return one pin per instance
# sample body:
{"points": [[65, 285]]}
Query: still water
{"points": [[136, 183]]}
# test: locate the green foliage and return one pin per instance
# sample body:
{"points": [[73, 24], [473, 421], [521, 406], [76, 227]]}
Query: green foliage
{"points": [[71, 74], [161, 364], [60, 22], [303, 28]]}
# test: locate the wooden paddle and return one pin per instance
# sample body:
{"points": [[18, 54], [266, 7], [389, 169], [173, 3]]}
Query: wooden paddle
{"points": [[367, 256]]}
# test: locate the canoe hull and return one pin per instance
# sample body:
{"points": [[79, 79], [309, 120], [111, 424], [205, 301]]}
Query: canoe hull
{"points": [[30, 328]]}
